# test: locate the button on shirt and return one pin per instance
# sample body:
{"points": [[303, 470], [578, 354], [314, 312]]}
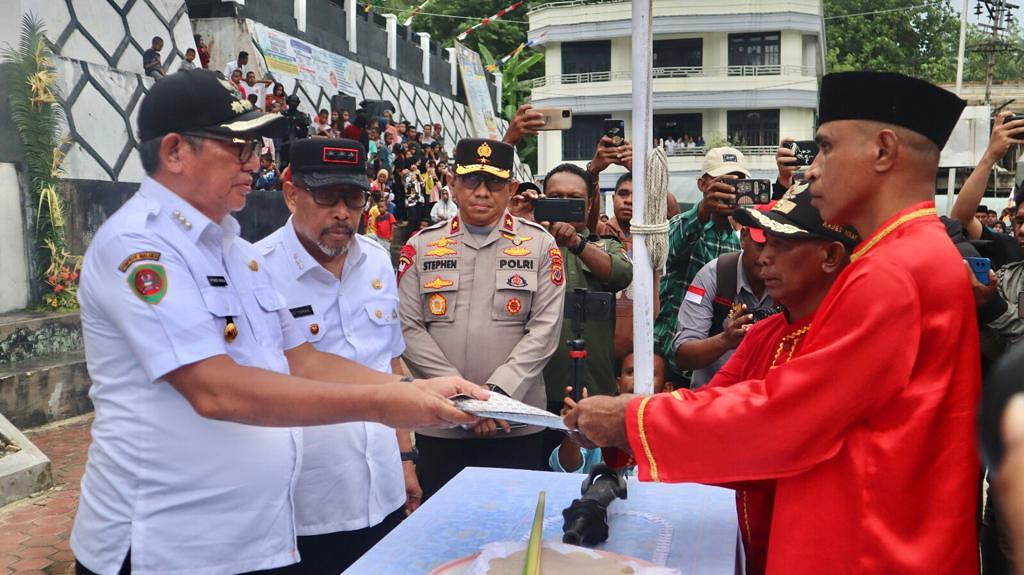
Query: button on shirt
{"points": [[351, 472], [697, 312], [186, 494]]}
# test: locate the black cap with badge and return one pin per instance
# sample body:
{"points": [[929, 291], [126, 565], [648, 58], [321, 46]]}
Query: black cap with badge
{"points": [[793, 216], [480, 155], [200, 101], [323, 162]]}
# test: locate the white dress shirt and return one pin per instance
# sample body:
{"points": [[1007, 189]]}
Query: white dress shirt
{"points": [[231, 67], [187, 494], [351, 472]]}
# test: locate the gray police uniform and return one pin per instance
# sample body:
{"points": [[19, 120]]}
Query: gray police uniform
{"points": [[487, 308]]}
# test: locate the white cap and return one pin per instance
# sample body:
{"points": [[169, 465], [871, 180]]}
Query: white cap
{"points": [[722, 161]]}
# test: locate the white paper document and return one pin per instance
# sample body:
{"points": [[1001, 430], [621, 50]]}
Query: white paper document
{"points": [[499, 406]]}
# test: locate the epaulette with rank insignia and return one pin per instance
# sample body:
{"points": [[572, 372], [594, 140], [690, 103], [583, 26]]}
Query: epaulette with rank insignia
{"points": [[532, 224]]}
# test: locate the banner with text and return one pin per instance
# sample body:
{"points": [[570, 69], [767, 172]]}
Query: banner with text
{"points": [[288, 55], [478, 97]]}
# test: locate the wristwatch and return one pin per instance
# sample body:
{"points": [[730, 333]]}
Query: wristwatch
{"points": [[410, 455], [580, 246]]}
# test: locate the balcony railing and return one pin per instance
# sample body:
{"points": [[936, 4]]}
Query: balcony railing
{"points": [[677, 72], [699, 151]]}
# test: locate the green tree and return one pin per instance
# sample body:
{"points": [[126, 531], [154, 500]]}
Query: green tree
{"points": [[501, 36], [921, 41]]}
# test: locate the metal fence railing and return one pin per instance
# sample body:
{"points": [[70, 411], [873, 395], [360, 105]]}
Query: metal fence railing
{"points": [[678, 72]]}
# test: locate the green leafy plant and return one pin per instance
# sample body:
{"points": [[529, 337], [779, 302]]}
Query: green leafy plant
{"points": [[37, 116]]}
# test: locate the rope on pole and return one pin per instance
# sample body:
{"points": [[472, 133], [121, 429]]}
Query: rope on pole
{"points": [[654, 227]]}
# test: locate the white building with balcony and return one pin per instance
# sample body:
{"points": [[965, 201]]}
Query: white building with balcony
{"points": [[744, 72]]}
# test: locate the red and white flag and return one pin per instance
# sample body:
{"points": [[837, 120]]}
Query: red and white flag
{"points": [[694, 294]]}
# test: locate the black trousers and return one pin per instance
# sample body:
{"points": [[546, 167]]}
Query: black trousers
{"points": [[442, 459], [327, 554], [332, 553]]}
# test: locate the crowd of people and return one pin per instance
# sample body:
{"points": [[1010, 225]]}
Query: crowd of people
{"points": [[673, 145], [820, 354]]}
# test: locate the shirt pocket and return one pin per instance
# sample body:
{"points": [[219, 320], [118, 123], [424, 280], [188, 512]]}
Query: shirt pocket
{"points": [[383, 313], [268, 326], [311, 325], [439, 296], [226, 309], [513, 295]]}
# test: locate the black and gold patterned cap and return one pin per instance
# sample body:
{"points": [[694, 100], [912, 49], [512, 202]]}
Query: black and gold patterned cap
{"points": [[793, 216], [481, 155], [200, 100]]}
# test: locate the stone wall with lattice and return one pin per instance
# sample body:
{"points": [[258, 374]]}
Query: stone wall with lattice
{"points": [[99, 45]]}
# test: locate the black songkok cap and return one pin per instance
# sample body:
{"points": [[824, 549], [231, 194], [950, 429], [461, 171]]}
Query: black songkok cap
{"points": [[892, 98]]}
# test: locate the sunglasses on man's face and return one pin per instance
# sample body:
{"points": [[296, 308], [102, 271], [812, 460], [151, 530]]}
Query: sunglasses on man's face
{"points": [[246, 147], [354, 199], [493, 183]]}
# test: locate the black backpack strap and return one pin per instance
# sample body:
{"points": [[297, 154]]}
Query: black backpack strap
{"points": [[725, 290]]}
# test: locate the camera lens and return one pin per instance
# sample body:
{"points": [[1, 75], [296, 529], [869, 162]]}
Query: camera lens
{"points": [[565, 113]]}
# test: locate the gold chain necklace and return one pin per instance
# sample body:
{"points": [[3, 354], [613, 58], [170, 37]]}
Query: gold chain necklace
{"points": [[891, 228], [792, 339]]}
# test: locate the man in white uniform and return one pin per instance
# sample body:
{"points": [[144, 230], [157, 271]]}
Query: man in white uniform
{"points": [[340, 288], [194, 452]]}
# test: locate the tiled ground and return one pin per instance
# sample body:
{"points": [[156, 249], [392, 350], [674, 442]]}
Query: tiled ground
{"points": [[34, 532]]}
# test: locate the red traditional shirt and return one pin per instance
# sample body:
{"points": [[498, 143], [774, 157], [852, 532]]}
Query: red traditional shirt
{"points": [[770, 342], [868, 431]]}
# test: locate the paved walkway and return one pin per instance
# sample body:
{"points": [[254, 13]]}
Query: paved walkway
{"points": [[34, 532]]}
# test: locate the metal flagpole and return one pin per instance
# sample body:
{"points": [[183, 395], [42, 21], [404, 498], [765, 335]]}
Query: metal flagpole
{"points": [[643, 277], [951, 177]]}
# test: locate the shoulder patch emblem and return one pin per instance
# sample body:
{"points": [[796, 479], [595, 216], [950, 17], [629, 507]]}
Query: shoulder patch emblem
{"points": [[149, 282], [508, 223], [455, 227], [517, 251], [438, 283], [557, 271], [138, 257], [405, 259]]}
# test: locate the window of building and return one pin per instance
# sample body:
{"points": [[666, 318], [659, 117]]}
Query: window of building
{"points": [[757, 49], [679, 127], [580, 142], [753, 127], [680, 53], [586, 57]]}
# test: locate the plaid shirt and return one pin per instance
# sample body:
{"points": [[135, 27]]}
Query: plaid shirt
{"points": [[691, 244]]}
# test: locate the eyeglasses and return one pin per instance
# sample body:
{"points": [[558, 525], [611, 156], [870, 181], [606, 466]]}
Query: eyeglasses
{"points": [[247, 147], [493, 183], [355, 199]]}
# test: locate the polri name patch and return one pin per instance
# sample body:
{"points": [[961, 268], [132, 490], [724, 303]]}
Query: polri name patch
{"points": [[303, 311]]}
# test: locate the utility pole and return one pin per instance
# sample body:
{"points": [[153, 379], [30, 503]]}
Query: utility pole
{"points": [[999, 16]]}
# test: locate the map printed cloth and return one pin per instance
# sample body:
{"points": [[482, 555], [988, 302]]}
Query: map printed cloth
{"points": [[684, 526]]}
